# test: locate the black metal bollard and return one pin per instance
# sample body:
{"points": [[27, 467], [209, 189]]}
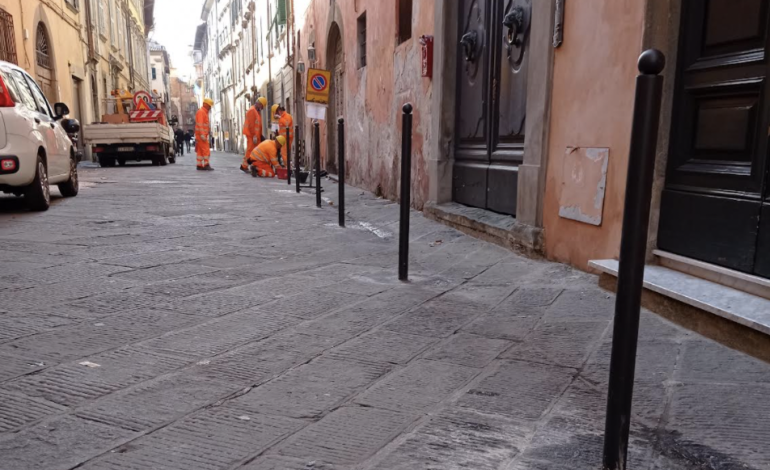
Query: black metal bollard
{"points": [[296, 160], [317, 145], [633, 246], [406, 186], [341, 164], [288, 161]]}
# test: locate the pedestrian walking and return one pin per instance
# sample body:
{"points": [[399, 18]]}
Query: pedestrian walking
{"points": [[202, 136], [252, 129], [266, 157], [179, 137], [188, 137]]}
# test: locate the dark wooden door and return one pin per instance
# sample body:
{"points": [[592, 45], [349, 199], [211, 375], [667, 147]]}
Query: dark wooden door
{"points": [[716, 182], [491, 102]]}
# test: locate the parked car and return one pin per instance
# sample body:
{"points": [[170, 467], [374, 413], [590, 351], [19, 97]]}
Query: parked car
{"points": [[35, 149]]}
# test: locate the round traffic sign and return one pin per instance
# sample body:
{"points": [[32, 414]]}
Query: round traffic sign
{"points": [[318, 82]]}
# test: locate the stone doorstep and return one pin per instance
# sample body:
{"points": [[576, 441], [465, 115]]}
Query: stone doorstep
{"points": [[730, 316], [499, 229]]}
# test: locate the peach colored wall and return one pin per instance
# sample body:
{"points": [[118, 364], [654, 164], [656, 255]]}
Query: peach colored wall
{"points": [[375, 94], [592, 103]]}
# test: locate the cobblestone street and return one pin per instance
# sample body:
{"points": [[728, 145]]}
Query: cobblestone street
{"points": [[168, 318]]}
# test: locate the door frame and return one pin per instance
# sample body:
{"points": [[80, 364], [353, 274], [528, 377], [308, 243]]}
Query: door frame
{"points": [[531, 183]]}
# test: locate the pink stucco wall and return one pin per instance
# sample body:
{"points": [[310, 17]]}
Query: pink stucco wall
{"points": [[592, 103], [375, 94]]}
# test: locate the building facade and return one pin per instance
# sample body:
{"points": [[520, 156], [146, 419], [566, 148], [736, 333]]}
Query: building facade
{"points": [[183, 103], [160, 73]]}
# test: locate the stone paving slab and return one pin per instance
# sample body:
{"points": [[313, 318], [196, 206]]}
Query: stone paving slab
{"points": [[208, 334]]}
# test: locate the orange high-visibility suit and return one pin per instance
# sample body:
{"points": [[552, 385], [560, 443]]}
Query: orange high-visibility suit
{"points": [[202, 133], [286, 129], [251, 128], [264, 158]]}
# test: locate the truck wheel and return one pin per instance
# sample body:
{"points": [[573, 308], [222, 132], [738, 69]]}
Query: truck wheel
{"points": [[122, 161], [38, 193], [162, 160], [71, 187], [172, 160]]}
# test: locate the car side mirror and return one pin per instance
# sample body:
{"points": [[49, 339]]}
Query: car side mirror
{"points": [[61, 110], [71, 126]]}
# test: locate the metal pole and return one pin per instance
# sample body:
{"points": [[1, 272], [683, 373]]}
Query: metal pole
{"points": [[288, 159], [341, 165], [633, 247], [406, 187], [317, 144], [296, 160]]}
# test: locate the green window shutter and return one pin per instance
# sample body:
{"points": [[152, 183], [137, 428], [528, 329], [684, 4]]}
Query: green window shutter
{"points": [[280, 12]]}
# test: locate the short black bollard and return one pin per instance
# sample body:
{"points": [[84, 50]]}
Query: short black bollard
{"points": [[406, 187], [633, 247], [341, 164], [296, 160], [317, 150]]}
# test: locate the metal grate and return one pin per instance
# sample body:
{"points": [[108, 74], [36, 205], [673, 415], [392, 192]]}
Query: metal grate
{"points": [[41, 48], [7, 38]]}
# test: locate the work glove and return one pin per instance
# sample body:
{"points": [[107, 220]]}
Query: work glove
{"points": [[254, 140]]}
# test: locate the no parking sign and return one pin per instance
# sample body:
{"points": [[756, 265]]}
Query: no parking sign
{"points": [[318, 85]]}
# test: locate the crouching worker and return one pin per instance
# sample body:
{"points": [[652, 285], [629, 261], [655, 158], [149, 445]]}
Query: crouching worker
{"points": [[266, 157]]}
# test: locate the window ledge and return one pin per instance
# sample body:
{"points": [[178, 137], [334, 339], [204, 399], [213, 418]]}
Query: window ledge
{"points": [[73, 8]]}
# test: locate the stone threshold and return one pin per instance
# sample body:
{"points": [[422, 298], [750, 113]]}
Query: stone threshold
{"points": [[499, 229], [730, 316]]}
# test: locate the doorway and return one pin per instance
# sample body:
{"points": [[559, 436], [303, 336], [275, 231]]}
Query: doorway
{"points": [[491, 102], [715, 205], [44, 60], [335, 59]]}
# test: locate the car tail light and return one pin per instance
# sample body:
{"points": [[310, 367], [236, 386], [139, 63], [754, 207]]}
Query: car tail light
{"points": [[98, 149], [7, 165], [152, 148], [5, 98]]}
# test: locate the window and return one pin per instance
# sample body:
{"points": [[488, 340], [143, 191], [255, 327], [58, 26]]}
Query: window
{"points": [[22, 87], [10, 84], [42, 103], [154, 77], [73, 3], [7, 38], [404, 20], [362, 40], [121, 28], [113, 24], [102, 19]]}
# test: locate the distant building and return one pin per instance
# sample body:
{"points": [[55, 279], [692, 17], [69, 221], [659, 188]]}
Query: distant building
{"points": [[160, 73]]}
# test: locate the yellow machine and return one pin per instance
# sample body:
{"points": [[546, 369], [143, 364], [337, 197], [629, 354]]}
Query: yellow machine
{"points": [[120, 97]]}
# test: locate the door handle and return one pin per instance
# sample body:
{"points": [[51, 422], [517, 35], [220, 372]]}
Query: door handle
{"points": [[468, 43], [37, 121], [514, 21]]}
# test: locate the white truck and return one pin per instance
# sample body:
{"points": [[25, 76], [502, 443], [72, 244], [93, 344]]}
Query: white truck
{"points": [[134, 141]]}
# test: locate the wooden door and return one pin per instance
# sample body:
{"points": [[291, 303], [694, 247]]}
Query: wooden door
{"points": [[491, 102], [716, 181]]}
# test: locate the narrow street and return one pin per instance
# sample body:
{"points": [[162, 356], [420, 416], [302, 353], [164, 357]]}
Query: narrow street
{"points": [[168, 318]]}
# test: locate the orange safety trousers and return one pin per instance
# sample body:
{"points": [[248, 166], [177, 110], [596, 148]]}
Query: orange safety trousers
{"points": [[286, 129], [251, 128], [202, 132]]}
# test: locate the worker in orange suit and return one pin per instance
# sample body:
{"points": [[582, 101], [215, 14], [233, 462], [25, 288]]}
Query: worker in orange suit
{"points": [[252, 129], [266, 157], [285, 128], [202, 133]]}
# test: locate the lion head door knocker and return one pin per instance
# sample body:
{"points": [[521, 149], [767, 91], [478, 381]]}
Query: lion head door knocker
{"points": [[472, 41], [516, 24]]}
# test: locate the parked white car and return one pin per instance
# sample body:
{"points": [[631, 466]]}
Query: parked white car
{"points": [[35, 150]]}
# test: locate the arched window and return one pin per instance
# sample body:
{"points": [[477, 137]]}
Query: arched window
{"points": [[41, 47]]}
